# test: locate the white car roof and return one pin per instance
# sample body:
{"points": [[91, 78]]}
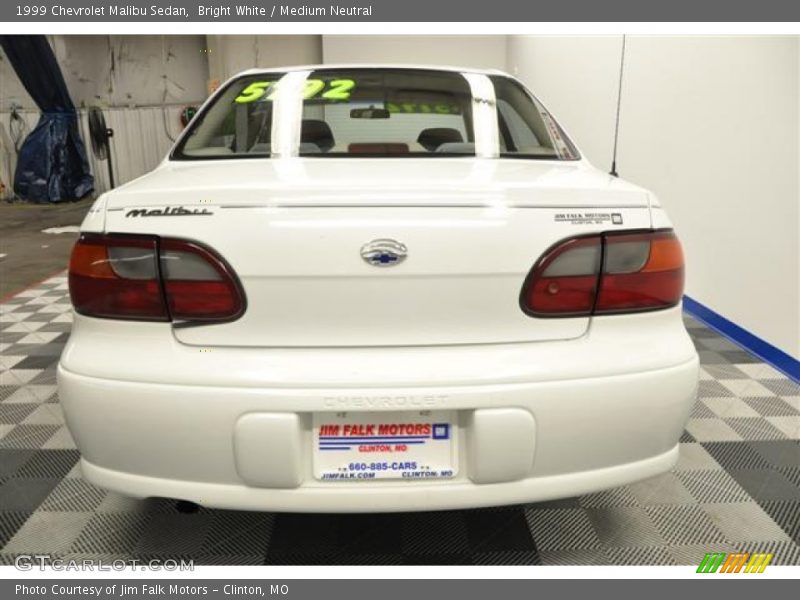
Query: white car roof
{"points": [[450, 69]]}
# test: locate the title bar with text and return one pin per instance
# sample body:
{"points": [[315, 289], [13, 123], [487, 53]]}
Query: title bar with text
{"points": [[318, 11]]}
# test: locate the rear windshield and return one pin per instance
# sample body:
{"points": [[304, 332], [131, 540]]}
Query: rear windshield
{"points": [[374, 112]]}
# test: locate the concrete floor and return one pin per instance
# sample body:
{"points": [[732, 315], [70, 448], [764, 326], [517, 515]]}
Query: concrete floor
{"points": [[27, 255]]}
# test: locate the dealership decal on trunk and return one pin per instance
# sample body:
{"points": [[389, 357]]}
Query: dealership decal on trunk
{"points": [[589, 218]]}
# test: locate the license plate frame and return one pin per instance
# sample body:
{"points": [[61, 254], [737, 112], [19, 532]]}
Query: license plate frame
{"points": [[392, 445]]}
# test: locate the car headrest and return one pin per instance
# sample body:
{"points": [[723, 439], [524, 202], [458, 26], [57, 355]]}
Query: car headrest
{"points": [[433, 137], [314, 131]]}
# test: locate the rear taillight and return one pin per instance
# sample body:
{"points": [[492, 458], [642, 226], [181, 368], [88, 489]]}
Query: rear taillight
{"points": [[153, 279], [606, 274], [197, 283], [640, 272], [116, 277]]}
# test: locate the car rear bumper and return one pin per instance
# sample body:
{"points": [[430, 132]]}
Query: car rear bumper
{"points": [[534, 421], [399, 497]]}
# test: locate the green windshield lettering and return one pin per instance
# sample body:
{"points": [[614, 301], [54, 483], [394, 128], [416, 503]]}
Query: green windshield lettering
{"points": [[252, 92], [338, 89]]}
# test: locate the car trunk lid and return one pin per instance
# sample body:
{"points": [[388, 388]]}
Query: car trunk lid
{"points": [[295, 233]]}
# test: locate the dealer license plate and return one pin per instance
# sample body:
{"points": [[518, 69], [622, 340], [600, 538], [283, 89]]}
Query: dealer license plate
{"points": [[384, 445]]}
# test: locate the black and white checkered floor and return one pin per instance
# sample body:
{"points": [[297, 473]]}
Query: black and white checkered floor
{"points": [[736, 487]]}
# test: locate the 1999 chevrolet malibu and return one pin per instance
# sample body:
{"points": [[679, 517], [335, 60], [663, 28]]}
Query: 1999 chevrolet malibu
{"points": [[375, 289]]}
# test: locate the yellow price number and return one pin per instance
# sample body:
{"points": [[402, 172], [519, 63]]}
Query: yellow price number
{"points": [[253, 91], [337, 89]]}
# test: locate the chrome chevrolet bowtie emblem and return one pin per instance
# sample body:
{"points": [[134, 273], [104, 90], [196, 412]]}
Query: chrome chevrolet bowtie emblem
{"points": [[384, 252]]}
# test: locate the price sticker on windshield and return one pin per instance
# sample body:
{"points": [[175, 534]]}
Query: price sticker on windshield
{"points": [[333, 90]]}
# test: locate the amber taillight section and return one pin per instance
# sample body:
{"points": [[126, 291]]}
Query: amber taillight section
{"points": [[606, 274], [152, 279]]}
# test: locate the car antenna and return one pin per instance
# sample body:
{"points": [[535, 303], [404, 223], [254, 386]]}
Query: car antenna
{"points": [[619, 103]]}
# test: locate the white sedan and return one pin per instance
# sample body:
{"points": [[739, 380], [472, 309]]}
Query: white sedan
{"points": [[375, 289]]}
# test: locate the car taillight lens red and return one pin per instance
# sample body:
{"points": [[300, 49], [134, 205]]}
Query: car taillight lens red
{"points": [[198, 285], [154, 279], [606, 274], [116, 277], [640, 272]]}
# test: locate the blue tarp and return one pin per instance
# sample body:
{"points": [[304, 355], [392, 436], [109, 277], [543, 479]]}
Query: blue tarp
{"points": [[52, 164]]}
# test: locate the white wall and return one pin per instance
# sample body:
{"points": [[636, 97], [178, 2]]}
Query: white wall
{"points": [[711, 125], [11, 90], [118, 70], [140, 70], [230, 54], [475, 51]]}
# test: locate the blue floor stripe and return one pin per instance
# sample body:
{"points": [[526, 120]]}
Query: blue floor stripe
{"points": [[776, 357]]}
